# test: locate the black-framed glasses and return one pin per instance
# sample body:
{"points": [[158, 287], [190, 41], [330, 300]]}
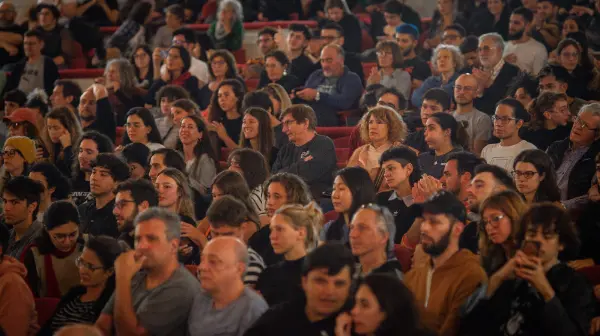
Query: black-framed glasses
{"points": [[526, 174], [64, 236], [82, 263], [122, 203], [10, 153], [503, 120]]}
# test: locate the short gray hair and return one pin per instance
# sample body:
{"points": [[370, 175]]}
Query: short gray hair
{"points": [[457, 56], [498, 40], [385, 223], [170, 219], [593, 109], [234, 5], [126, 73], [337, 48]]}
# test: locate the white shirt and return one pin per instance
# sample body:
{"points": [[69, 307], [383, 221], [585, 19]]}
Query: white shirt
{"points": [[198, 69], [531, 55], [504, 156]]}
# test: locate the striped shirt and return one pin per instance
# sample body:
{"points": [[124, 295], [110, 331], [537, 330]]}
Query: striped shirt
{"points": [[74, 312], [255, 267], [258, 201]]}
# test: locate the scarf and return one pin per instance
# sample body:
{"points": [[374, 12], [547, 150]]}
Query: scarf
{"points": [[52, 287], [181, 79]]}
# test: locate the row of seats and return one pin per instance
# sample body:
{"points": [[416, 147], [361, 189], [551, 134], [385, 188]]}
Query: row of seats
{"points": [[247, 26]]}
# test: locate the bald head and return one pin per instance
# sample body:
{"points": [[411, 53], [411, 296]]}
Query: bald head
{"points": [[223, 265], [79, 330], [229, 249], [465, 89]]}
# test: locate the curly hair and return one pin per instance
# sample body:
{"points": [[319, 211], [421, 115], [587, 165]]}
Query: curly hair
{"points": [[397, 129], [543, 103], [457, 56]]}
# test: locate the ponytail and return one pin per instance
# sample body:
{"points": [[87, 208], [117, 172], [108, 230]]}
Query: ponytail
{"points": [[309, 217]]}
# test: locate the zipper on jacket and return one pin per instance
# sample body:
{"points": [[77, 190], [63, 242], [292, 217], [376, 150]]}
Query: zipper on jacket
{"points": [[428, 286]]}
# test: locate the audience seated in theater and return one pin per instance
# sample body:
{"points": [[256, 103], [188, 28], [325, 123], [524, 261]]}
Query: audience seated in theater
{"points": [[131, 32], [224, 305], [573, 157], [574, 55], [137, 158], [434, 101], [58, 42], [279, 98], [66, 93], [18, 315], [407, 37], [330, 264], [478, 124], [333, 33], [63, 130], [521, 49], [550, 120], [276, 70], [523, 88], [180, 109], [555, 78], [332, 89], [301, 63], [11, 35], [56, 186], [444, 282], [337, 11], [85, 33], [550, 297], [445, 15], [24, 122], [227, 31], [253, 166], [447, 62], [123, 93], [508, 120], [174, 20], [198, 151], [105, 14], [13, 100], [372, 232], [50, 260], [308, 154], [496, 76], [381, 128], [495, 18], [33, 71], [225, 114], [167, 127], [280, 189], [96, 214], [187, 38], [389, 72], [84, 302], [257, 132], [444, 136], [272, 10], [377, 312], [18, 155], [387, 16], [141, 128], [546, 26], [176, 72], [141, 59], [95, 112], [132, 197], [352, 188], [294, 233], [87, 148], [163, 308], [228, 216]]}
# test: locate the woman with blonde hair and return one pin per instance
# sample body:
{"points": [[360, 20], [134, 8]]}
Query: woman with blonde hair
{"points": [[380, 128], [62, 132], [500, 217], [279, 97], [294, 229]]}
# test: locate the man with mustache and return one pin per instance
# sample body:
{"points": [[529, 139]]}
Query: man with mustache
{"points": [[95, 112], [522, 50], [407, 37], [132, 198], [443, 283]]}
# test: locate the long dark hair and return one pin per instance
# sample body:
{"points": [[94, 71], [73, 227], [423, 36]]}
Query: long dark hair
{"points": [[204, 145], [229, 59], [148, 120], [458, 133], [548, 188], [58, 214], [253, 164], [233, 184], [216, 113], [147, 50], [266, 138]]}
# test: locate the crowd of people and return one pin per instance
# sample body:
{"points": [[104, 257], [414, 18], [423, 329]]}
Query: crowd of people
{"points": [[171, 197]]}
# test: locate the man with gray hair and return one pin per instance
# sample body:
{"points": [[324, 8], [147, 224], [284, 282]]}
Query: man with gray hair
{"points": [[574, 157], [154, 293], [496, 75], [224, 306], [372, 233]]}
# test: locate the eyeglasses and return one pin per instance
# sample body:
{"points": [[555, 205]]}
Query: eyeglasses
{"points": [[10, 153], [288, 123], [485, 49], [122, 203], [383, 53], [527, 174], [582, 124], [570, 54], [82, 263], [493, 220], [502, 120], [65, 236]]}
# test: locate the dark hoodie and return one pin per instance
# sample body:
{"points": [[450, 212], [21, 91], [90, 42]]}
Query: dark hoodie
{"points": [[17, 306]]}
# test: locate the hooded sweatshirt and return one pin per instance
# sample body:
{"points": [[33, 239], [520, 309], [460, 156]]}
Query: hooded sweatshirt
{"points": [[441, 292], [17, 306]]}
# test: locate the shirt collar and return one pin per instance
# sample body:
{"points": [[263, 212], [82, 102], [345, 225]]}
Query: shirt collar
{"points": [[408, 200], [496, 69]]}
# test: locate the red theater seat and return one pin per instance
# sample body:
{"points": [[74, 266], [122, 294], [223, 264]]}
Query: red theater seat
{"points": [[342, 154], [240, 56], [80, 73], [79, 60], [367, 68], [331, 215], [247, 25], [335, 132], [366, 42], [120, 132], [45, 308], [342, 142], [225, 151], [591, 273], [404, 256]]}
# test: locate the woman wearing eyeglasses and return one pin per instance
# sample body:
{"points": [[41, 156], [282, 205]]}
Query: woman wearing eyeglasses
{"points": [[549, 119], [389, 72], [277, 67], [50, 260], [84, 302], [500, 214], [535, 177], [17, 157]]}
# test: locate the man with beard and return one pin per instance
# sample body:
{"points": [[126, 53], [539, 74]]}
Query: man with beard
{"points": [[95, 112], [522, 50], [479, 124], [443, 283], [488, 179], [132, 197], [407, 37], [11, 35]]}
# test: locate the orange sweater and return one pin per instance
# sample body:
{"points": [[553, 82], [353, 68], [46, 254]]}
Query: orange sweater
{"points": [[17, 308], [441, 292]]}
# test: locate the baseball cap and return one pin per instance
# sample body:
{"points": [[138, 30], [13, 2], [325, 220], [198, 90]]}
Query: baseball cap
{"points": [[444, 203], [20, 115]]}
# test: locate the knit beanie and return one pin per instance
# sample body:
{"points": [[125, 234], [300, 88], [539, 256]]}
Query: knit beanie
{"points": [[24, 145]]}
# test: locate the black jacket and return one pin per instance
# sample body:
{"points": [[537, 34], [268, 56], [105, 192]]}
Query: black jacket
{"points": [[580, 178], [105, 120], [498, 89], [588, 226], [352, 32], [569, 312], [191, 86], [16, 71], [288, 82]]}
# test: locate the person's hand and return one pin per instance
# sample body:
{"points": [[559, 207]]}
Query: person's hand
{"points": [[530, 269], [510, 58], [595, 325], [581, 263], [581, 10], [343, 324], [165, 75], [484, 78], [308, 158], [374, 77], [593, 193], [99, 91], [307, 94], [192, 232], [65, 139], [127, 264], [261, 17], [157, 57], [119, 149], [185, 250], [59, 60], [220, 130], [10, 49], [39, 153], [417, 194], [507, 271], [429, 185]]}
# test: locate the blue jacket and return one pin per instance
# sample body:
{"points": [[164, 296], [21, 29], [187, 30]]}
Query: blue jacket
{"points": [[433, 82], [347, 94]]}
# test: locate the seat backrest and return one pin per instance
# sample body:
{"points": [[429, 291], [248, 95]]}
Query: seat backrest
{"points": [[45, 308], [120, 132], [404, 256]]}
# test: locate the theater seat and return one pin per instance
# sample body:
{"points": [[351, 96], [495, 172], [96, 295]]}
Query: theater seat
{"points": [[79, 61], [330, 216], [192, 268], [335, 132], [251, 84], [367, 68], [349, 117], [366, 42], [120, 132], [225, 151], [342, 142], [404, 256], [591, 273], [240, 56], [45, 308]]}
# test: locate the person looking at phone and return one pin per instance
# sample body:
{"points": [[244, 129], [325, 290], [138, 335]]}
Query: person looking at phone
{"points": [[326, 283], [154, 293], [534, 293], [63, 130], [132, 197], [444, 282]]}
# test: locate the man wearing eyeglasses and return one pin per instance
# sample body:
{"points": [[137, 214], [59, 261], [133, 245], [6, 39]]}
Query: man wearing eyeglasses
{"points": [[509, 118], [479, 124], [132, 197], [574, 157]]}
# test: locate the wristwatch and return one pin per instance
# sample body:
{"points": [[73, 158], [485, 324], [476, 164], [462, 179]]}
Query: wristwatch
{"points": [[318, 96]]}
